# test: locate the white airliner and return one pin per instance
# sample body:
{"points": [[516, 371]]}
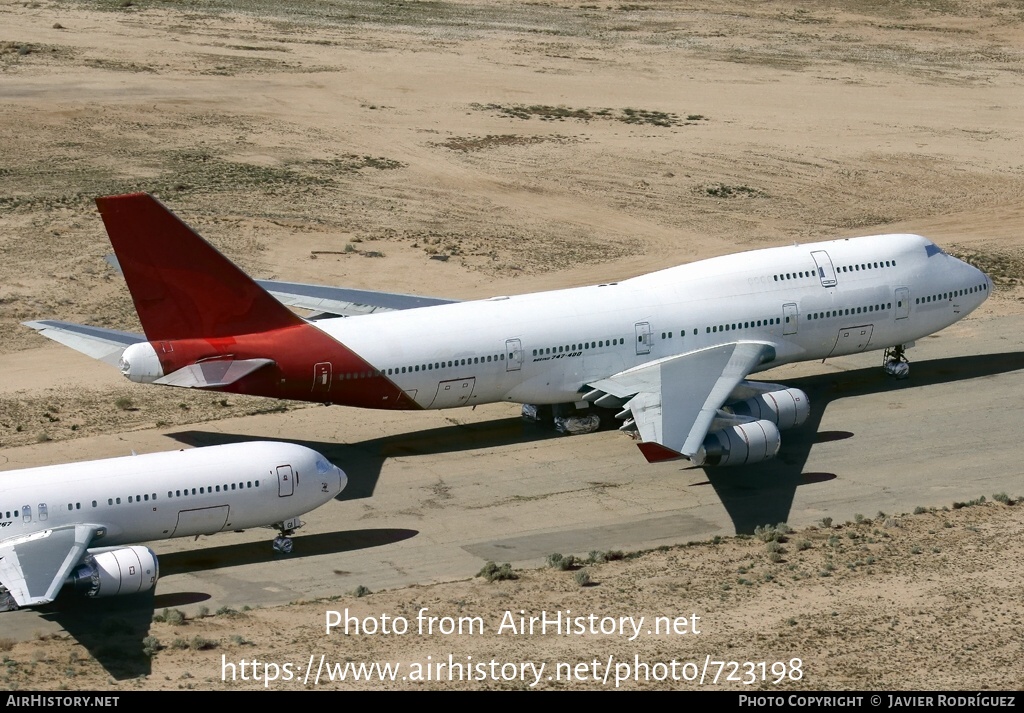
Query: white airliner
{"points": [[70, 524], [670, 351]]}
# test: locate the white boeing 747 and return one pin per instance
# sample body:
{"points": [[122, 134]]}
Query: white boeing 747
{"points": [[73, 523], [670, 351]]}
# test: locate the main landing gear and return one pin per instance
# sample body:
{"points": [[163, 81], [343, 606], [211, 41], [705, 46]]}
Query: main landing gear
{"points": [[7, 602], [895, 362], [564, 418]]}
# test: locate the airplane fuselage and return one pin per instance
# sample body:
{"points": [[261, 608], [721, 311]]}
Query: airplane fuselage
{"points": [[176, 494], [808, 301]]}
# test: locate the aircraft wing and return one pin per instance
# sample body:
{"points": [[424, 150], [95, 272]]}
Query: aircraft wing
{"points": [[103, 344], [675, 400], [334, 301], [34, 567], [342, 301]]}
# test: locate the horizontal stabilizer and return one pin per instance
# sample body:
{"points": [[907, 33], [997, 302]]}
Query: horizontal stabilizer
{"points": [[213, 373], [103, 344]]}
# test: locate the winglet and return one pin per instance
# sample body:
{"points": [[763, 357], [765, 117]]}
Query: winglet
{"points": [[655, 452], [183, 288]]}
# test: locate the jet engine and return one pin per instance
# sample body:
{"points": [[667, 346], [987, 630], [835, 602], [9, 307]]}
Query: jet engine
{"points": [[786, 408], [113, 572], [739, 444]]}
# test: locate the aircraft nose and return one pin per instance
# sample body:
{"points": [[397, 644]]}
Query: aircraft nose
{"points": [[342, 479], [988, 280]]}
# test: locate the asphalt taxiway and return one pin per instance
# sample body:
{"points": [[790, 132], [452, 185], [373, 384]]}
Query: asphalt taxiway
{"points": [[433, 495]]}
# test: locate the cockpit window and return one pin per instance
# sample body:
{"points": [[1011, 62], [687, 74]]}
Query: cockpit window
{"points": [[933, 249], [322, 466]]}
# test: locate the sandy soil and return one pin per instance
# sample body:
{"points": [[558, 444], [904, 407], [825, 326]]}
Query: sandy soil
{"points": [[928, 601], [534, 145]]}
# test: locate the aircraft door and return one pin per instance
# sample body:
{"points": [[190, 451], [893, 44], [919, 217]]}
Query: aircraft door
{"points": [[643, 338], [513, 355], [26, 513], [322, 377], [852, 340], [201, 521], [789, 321], [285, 481], [826, 272], [454, 392], [42, 511], [902, 302]]}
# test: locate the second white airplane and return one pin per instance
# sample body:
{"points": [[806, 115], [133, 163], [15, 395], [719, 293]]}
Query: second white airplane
{"points": [[670, 351], [73, 524]]}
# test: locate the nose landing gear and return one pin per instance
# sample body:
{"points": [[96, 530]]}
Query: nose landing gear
{"points": [[283, 542]]}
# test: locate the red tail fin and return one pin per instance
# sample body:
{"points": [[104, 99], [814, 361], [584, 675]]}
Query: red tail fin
{"points": [[182, 287]]}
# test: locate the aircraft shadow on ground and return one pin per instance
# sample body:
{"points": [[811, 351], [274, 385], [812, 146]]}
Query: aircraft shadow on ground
{"points": [[362, 462], [118, 639], [248, 553], [115, 637], [753, 495], [763, 493]]}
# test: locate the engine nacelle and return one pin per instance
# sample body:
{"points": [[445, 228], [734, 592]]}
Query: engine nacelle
{"points": [[740, 444], [786, 408], [110, 573]]}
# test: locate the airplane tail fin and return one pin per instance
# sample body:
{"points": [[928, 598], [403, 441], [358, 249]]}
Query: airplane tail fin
{"points": [[183, 288]]}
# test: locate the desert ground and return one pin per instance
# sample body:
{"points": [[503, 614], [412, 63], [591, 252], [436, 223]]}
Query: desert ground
{"points": [[466, 150]]}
